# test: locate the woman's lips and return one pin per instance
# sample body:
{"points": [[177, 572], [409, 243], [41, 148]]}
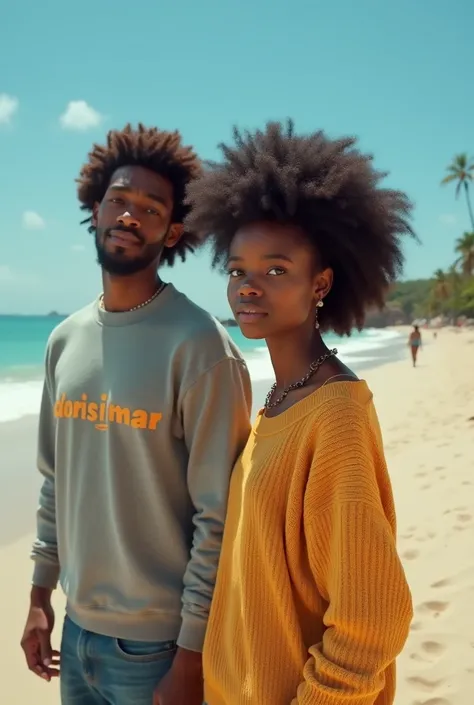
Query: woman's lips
{"points": [[250, 315]]}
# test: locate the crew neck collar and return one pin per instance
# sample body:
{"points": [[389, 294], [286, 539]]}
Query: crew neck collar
{"points": [[357, 391], [125, 318]]}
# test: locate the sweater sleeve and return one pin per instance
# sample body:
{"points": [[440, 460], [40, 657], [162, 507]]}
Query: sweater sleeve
{"points": [[45, 548], [216, 419], [349, 527]]}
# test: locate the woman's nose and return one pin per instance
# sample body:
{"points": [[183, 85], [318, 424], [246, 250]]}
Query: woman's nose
{"points": [[249, 288]]}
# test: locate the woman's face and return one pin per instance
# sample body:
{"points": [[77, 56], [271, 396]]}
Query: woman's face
{"points": [[274, 280]]}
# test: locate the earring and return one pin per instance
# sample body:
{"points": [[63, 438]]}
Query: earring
{"points": [[320, 304]]}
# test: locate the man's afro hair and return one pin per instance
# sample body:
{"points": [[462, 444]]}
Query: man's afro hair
{"points": [[157, 150]]}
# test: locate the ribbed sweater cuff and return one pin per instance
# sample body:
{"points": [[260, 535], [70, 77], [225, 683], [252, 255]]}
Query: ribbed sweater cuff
{"points": [[192, 632], [45, 575]]}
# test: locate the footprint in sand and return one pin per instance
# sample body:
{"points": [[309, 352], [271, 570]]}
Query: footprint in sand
{"points": [[433, 648], [410, 555], [464, 517], [416, 657], [434, 701], [416, 626], [420, 474], [439, 468], [463, 520], [426, 487], [466, 483], [434, 607], [445, 582], [424, 684]]}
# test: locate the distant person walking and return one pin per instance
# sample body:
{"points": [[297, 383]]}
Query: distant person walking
{"points": [[414, 341]]}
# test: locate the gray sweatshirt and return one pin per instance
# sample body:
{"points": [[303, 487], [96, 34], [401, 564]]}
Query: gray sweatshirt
{"points": [[142, 418]]}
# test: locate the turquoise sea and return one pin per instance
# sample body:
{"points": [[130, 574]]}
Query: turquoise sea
{"points": [[23, 340]]}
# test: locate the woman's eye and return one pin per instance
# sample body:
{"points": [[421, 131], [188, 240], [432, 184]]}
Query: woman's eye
{"points": [[234, 272], [152, 211], [116, 200], [276, 271]]}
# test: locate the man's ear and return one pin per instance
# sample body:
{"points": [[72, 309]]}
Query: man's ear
{"points": [[95, 211], [175, 233]]}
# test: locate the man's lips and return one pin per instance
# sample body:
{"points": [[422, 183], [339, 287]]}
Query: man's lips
{"points": [[123, 239]]}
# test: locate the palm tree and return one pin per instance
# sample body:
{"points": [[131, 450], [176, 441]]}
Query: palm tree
{"points": [[440, 292], [465, 248], [461, 170], [442, 288]]}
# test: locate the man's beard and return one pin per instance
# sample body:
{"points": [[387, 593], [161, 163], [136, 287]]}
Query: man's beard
{"points": [[118, 264]]}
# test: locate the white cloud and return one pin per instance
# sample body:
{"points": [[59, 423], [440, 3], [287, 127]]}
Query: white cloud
{"points": [[8, 107], [78, 248], [79, 115], [6, 274], [448, 219], [32, 221]]}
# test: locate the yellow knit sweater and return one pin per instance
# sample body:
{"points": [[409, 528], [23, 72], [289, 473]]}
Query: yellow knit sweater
{"points": [[311, 605]]}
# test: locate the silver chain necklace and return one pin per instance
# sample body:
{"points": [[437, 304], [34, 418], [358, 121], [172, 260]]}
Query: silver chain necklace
{"points": [[313, 368], [135, 308]]}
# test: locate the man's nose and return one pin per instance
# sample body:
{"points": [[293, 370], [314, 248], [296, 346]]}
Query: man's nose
{"points": [[128, 220]]}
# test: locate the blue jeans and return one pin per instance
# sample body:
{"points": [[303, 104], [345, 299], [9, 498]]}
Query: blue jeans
{"points": [[101, 670]]}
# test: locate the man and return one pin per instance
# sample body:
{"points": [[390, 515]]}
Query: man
{"points": [[145, 408]]}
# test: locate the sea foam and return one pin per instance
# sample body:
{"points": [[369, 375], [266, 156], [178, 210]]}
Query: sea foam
{"points": [[20, 398]]}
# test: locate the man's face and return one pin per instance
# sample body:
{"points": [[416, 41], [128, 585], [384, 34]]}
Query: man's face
{"points": [[133, 221]]}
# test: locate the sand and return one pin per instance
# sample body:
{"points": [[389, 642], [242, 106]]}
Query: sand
{"points": [[429, 442]]}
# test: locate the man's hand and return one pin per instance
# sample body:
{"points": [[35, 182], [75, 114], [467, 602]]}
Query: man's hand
{"points": [[183, 684], [36, 640]]}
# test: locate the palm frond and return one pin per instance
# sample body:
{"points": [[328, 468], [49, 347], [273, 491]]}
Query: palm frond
{"points": [[448, 179]]}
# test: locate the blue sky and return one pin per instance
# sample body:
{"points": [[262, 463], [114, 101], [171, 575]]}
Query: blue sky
{"points": [[397, 75]]}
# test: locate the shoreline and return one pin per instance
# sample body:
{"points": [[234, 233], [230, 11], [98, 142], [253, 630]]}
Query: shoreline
{"points": [[21, 388], [22, 482]]}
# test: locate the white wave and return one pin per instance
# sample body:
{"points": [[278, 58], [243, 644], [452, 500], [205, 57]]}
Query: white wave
{"points": [[259, 364], [353, 351], [372, 340], [19, 399]]}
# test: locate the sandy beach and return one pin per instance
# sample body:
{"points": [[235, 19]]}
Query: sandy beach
{"points": [[427, 417]]}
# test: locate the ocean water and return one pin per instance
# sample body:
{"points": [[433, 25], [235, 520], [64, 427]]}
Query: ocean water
{"points": [[23, 340]]}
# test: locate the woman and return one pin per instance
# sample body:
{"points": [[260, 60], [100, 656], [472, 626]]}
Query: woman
{"points": [[414, 341], [311, 604]]}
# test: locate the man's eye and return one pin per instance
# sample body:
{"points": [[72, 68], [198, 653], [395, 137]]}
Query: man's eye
{"points": [[116, 200], [152, 211], [234, 272]]}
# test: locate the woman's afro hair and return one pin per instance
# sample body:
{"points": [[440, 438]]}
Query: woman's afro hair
{"points": [[157, 150], [325, 187]]}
